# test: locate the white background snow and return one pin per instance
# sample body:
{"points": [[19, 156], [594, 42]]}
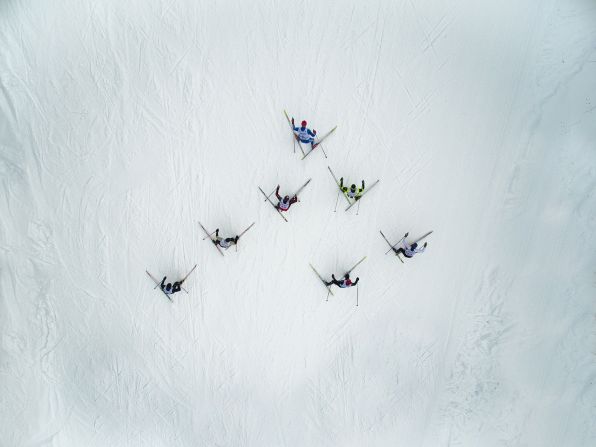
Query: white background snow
{"points": [[123, 123]]}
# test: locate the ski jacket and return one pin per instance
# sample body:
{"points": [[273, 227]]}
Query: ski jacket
{"points": [[304, 134], [344, 283], [225, 243], [285, 206], [175, 288], [409, 252], [352, 195]]}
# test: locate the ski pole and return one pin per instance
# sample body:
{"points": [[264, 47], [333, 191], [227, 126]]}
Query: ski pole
{"points": [[356, 295], [324, 153], [358, 208], [336, 200]]}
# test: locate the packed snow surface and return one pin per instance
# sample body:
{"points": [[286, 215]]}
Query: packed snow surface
{"points": [[124, 123]]}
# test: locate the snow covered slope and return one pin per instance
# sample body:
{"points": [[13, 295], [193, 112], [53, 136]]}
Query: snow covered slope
{"points": [[124, 123]]}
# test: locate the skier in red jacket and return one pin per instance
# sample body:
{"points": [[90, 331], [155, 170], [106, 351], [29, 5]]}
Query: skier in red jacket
{"points": [[284, 203]]}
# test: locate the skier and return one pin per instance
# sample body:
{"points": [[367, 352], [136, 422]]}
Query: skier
{"points": [[345, 282], [224, 243], [352, 192], [303, 134], [285, 203], [170, 288], [409, 250]]}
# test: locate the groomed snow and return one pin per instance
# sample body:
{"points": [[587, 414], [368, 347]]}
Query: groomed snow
{"points": [[123, 123]]}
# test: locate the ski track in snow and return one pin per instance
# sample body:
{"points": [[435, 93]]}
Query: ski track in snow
{"points": [[122, 125]]}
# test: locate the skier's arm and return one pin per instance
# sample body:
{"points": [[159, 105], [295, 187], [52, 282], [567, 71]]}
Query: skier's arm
{"points": [[293, 200], [363, 185], [341, 183], [277, 193]]}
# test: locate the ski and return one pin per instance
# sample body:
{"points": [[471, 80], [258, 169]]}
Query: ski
{"points": [[362, 195], [293, 134], [240, 235], [302, 187], [272, 204], [188, 274], [338, 185], [249, 227], [356, 265], [314, 146], [322, 280], [211, 239], [420, 238], [158, 283]]}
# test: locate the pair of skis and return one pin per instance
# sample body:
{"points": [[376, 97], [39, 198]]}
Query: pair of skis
{"points": [[314, 146], [158, 283], [210, 236], [392, 246], [351, 202], [329, 291], [268, 198]]}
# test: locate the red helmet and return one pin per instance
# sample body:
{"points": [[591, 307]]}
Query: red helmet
{"points": [[303, 123]]}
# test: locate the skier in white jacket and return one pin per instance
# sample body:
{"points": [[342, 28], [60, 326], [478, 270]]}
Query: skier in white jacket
{"points": [[224, 242], [410, 250]]}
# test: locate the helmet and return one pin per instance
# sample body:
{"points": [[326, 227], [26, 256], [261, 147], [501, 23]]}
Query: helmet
{"points": [[169, 286], [413, 246], [303, 123], [353, 187], [286, 198]]}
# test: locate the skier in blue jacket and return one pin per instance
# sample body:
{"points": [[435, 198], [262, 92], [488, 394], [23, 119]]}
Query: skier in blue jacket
{"points": [[304, 134]]}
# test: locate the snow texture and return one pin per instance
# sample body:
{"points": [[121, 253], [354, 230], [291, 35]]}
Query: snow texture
{"points": [[124, 123]]}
